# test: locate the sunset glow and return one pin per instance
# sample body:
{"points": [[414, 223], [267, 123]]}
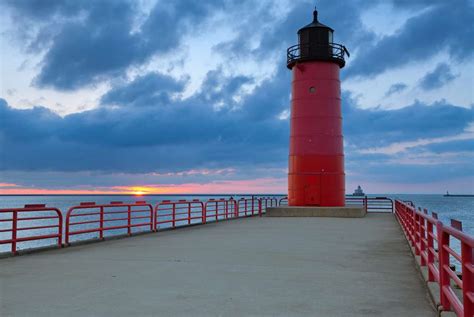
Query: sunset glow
{"points": [[262, 185]]}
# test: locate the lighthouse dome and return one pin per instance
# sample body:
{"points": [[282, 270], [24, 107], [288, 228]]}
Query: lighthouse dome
{"points": [[315, 33], [315, 24]]}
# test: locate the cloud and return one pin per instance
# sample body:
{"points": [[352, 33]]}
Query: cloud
{"points": [[398, 147], [396, 88], [152, 89], [273, 34], [380, 127], [95, 40], [441, 28], [146, 135], [439, 77]]}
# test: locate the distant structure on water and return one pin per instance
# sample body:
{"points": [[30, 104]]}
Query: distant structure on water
{"points": [[358, 191], [451, 195]]}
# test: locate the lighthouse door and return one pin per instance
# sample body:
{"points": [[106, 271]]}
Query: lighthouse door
{"points": [[313, 190]]}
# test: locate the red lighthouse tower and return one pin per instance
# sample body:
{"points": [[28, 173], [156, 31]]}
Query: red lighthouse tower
{"points": [[316, 161]]}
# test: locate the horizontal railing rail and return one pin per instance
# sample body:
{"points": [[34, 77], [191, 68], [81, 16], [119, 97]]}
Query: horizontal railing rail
{"points": [[30, 223], [431, 239], [101, 218]]}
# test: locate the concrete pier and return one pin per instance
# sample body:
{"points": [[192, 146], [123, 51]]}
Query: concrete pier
{"points": [[253, 266]]}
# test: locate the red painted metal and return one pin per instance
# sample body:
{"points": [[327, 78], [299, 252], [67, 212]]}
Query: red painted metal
{"points": [[92, 218], [431, 240], [179, 213], [31, 232], [107, 217], [247, 207], [266, 202], [283, 201], [219, 209], [316, 160]]}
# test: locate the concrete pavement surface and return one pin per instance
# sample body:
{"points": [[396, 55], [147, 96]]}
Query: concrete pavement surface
{"points": [[247, 267]]}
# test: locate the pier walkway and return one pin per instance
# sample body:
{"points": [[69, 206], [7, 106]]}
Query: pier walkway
{"points": [[250, 266]]}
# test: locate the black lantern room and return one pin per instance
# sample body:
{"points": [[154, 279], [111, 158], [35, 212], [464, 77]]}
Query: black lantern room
{"points": [[315, 42]]}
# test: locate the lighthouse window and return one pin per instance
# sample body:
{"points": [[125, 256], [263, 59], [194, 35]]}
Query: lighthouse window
{"points": [[312, 90]]}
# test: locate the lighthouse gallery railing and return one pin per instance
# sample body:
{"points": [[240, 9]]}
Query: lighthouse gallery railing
{"points": [[310, 51]]}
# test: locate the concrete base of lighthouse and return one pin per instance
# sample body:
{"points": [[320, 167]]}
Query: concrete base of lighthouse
{"points": [[316, 211]]}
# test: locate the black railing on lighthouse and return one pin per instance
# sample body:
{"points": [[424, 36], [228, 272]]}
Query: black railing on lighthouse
{"points": [[326, 52]]}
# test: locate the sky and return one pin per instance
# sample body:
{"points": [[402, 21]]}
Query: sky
{"points": [[194, 96]]}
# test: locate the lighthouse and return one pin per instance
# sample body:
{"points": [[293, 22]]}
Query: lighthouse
{"points": [[316, 155]]}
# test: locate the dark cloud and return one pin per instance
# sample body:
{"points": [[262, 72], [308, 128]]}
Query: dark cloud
{"points": [[366, 128], [152, 89], [395, 88], [439, 77], [136, 137], [93, 40], [190, 133], [443, 27]]}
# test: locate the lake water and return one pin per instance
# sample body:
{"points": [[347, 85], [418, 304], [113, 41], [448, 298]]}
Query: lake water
{"points": [[460, 208]]}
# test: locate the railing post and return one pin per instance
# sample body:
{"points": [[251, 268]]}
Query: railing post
{"points": [[260, 207], [204, 212], [189, 213], [430, 248], [60, 228], [413, 228], [66, 238], [444, 279], [417, 232], [174, 215], [366, 204], [129, 220], [155, 217], [14, 230], [101, 223], [422, 240], [217, 210], [253, 206], [152, 218], [467, 278]]}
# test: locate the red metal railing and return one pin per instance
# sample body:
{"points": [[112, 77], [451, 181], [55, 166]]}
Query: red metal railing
{"points": [[431, 240], [249, 207], [179, 213], [357, 201], [371, 204], [220, 209], [283, 201], [12, 220], [266, 202], [94, 218]]}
